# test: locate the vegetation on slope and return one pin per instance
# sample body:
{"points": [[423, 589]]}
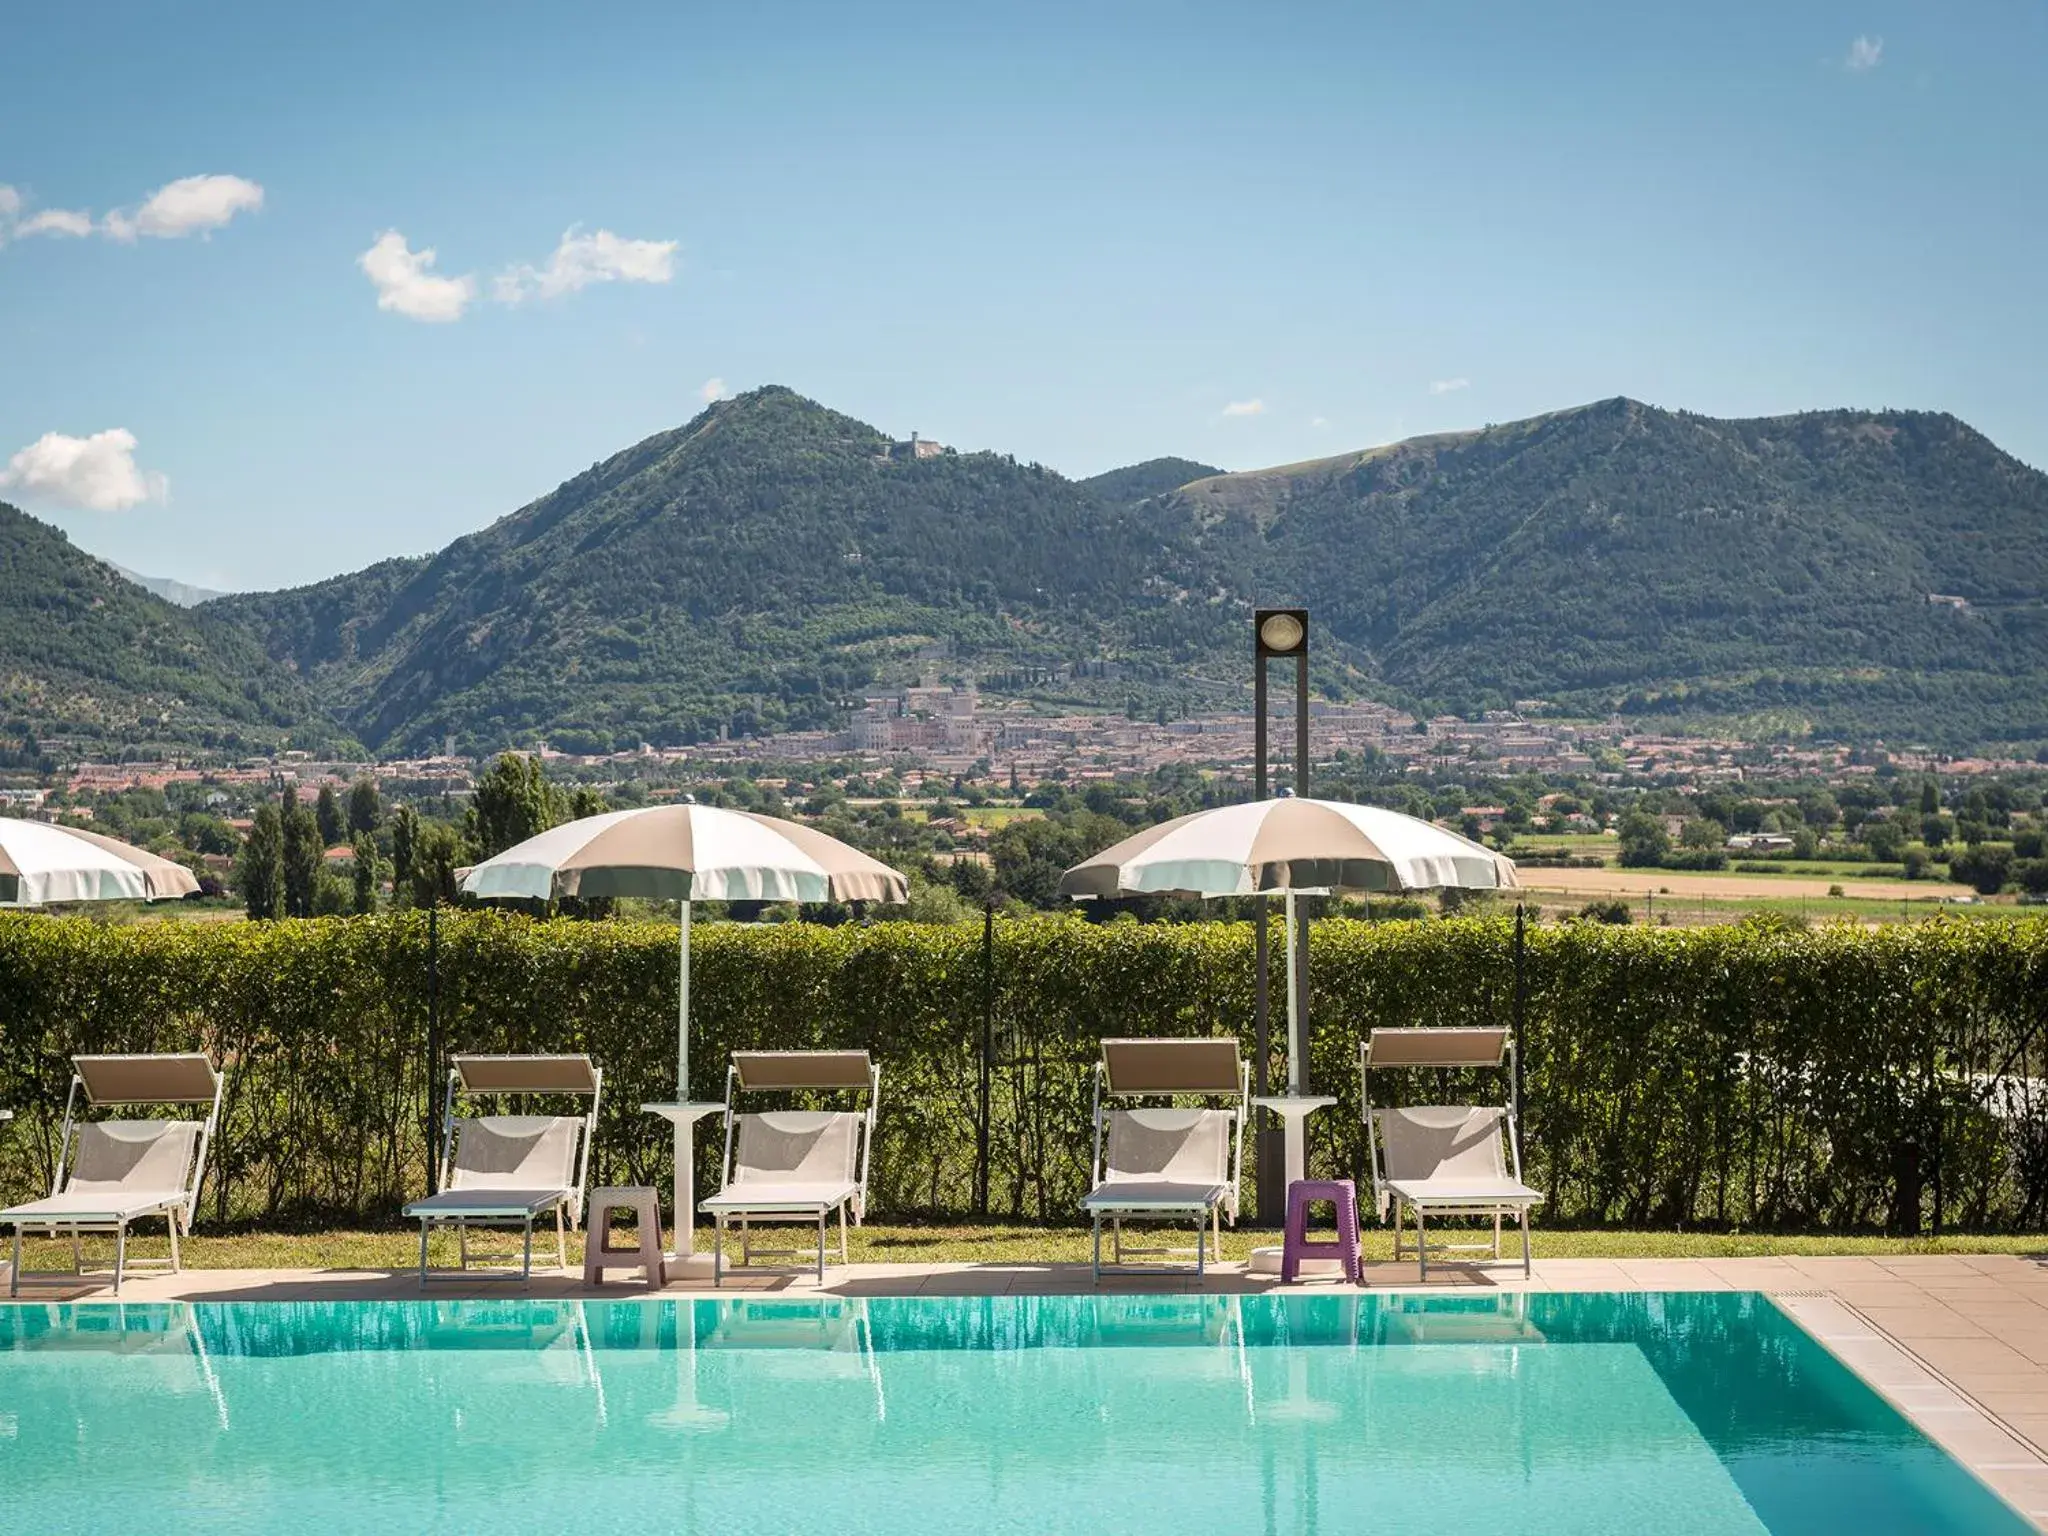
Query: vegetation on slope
{"points": [[1873, 573], [752, 569], [89, 656]]}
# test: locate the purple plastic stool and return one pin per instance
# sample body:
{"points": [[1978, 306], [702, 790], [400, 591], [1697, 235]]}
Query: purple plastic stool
{"points": [[1344, 1195]]}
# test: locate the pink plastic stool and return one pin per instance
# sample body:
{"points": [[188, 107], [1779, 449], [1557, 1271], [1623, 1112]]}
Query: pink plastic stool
{"points": [[1344, 1195]]}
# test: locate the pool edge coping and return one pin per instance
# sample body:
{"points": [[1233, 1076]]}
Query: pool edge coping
{"points": [[1966, 1431]]}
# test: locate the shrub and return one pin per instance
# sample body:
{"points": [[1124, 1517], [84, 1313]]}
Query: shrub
{"points": [[1756, 1074]]}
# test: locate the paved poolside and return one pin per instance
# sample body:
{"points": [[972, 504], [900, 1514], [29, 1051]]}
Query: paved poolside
{"points": [[1958, 1343]]}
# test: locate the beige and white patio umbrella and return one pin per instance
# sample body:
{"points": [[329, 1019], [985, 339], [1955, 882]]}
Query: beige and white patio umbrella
{"points": [[42, 863], [685, 853], [1287, 844], [1289, 847]]}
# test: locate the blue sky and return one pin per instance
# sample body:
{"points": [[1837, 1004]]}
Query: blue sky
{"points": [[1080, 234]]}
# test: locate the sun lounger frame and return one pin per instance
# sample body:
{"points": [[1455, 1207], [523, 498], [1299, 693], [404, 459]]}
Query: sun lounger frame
{"points": [[185, 1077], [499, 1076], [784, 1072], [1206, 1067], [1454, 1048]]}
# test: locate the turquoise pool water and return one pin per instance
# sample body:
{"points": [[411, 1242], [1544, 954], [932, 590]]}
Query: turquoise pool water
{"points": [[1138, 1414]]}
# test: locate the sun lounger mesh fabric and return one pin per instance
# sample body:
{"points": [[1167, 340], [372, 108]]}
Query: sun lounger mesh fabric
{"points": [[1192, 1145], [1442, 1143], [123, 1155], [515, 1152], [792, 1146]]}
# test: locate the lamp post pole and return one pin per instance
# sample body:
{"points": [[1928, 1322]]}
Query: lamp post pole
{"points": [[1277, 634]]}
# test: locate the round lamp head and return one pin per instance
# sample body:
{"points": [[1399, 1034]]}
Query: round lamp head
{"points": [[1280, 633]]}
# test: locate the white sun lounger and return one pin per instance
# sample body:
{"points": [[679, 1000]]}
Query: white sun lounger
{"points": [[1446, 1160], [1165, 1163], [789, 1166], [509, 1171], [113, 1173]]}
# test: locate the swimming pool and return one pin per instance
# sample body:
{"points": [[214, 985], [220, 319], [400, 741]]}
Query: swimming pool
{"points": [[1140, 1414]]}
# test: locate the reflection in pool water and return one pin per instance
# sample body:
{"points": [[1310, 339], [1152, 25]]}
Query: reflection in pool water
{"points": [[1123, 1413]]}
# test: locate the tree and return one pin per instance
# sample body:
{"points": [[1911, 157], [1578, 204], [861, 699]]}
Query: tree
{"points": [[1930, 797], [1644, 842], [437, 854], [1986, 867], [1702, 832], [1934, 828], [1886, 839], [304, 853], [585, 801], [1030, 856], [365, 892], [260, 869], [365, 810], [327, 816], [405, 836], [205, 833], [513, 801]]}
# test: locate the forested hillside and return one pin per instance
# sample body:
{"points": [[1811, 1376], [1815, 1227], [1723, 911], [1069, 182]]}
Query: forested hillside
{"points": [[750, 570], [89, 657], [1154, 477], [1866, 573]]}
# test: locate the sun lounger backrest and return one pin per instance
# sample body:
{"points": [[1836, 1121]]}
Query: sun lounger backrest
{"points": [[184, 1078], [515, 1152], [1193, 1066], [1443, 1142], [1185, 1144], [151, 1156], [793, 1146]]}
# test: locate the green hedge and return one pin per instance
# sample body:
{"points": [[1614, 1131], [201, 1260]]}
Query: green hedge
{"points": [[1839, 1078]]}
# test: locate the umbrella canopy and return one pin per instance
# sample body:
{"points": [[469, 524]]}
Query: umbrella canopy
{"points": [[1289, 845], [43, 863], [686, 853]]}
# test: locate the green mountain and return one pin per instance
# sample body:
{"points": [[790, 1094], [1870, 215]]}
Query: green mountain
{"points": [[752, 569], [1861, 573], [89, 657], [1154, 477]]}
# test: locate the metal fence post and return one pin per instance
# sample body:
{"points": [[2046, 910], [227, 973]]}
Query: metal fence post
{"points": [[433, 1048], [988, 1045]]}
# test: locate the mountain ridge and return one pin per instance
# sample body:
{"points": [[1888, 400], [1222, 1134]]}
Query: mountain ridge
{"points": [[1860, 574]]}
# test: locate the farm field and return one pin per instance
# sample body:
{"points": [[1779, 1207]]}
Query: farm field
{"points": [[1723, 886]]}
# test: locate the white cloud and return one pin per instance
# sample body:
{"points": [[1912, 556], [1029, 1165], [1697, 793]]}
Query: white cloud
{"points": [[187, 206], [580, 260], [1245, 408], [56, 221], [710, 390], [1319, 421], [1445, 386], [406, 285], [1864, 55], [191, 205], [96, 473]]}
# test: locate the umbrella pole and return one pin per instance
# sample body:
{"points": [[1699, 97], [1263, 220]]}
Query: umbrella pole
{"points": [[1296, 1134], [1294, 1040], [686, 1173]]}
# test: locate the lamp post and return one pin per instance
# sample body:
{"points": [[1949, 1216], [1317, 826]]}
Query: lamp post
{"points": [[1278, 634]]}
